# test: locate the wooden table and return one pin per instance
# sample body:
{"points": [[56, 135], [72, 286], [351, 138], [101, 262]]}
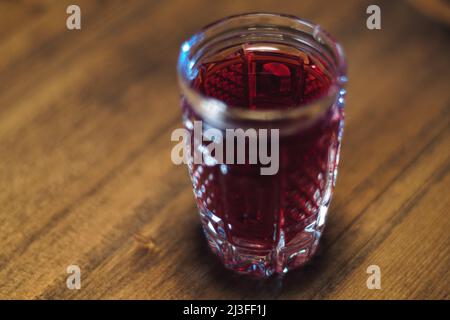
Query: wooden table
{"points": [[86, 176]]}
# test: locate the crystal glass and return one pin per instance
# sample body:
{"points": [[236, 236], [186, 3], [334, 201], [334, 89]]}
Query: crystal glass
{"points": [[265, 71]]}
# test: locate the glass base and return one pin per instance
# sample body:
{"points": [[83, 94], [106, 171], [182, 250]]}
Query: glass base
{"points": [[262, 262]]}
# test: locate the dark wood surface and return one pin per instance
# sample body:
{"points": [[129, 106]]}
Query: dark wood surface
{"points": [[86, 176]]}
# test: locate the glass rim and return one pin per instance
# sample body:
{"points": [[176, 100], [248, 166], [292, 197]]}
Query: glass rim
{"points": [[220, 113]]}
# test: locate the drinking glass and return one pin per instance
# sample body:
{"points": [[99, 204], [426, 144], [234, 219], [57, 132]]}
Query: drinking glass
{"points": [[264, 72]]}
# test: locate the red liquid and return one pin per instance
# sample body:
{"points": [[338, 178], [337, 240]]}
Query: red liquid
{"points": [[262, 224]]}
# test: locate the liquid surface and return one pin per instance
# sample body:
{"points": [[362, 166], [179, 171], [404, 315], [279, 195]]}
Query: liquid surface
{"points": [[270, 79]]}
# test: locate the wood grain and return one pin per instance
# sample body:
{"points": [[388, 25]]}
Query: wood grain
{"points": [[86, 176]]}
